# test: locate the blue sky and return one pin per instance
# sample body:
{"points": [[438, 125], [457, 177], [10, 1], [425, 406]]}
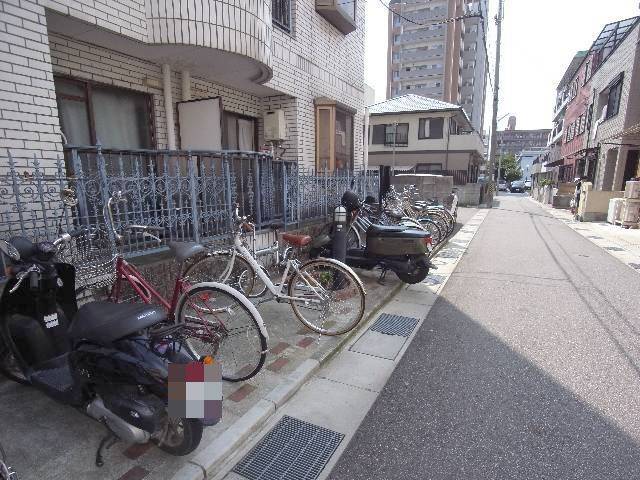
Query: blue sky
{"points": [[539, 40]]}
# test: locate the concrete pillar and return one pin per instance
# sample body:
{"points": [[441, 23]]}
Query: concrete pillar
{"points": [[168, 107], [186, 85]]}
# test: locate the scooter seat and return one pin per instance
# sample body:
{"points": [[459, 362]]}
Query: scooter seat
{"points": [[384, 230], [106, 322], [296, 240]]}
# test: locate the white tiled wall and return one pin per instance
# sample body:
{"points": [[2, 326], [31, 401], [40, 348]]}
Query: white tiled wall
{"points": [[28, 113]]}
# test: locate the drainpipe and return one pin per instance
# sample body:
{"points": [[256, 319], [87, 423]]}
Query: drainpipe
{"points": [[365, 150], [168, 106], [186, 85], [446, 153]]}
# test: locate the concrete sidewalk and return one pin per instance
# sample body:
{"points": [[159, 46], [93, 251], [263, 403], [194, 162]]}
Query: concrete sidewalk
{"points": [[47, 440], [338, 395], [622, 243]]}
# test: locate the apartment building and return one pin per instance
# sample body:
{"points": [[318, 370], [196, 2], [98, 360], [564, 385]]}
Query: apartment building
{"points": [[515, 141], [121, 73], [446, 61]]}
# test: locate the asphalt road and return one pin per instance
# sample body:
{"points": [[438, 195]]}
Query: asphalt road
{"points": [[527, 367]]}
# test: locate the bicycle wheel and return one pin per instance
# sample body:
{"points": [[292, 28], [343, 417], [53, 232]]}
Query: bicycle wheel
{"points": [[217, 311], [433, 228], [442, 223], [328, 298], [353, 238], [215, 268]]}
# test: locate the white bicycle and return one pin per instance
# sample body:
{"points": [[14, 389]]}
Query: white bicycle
{"points": [[325, 294]]}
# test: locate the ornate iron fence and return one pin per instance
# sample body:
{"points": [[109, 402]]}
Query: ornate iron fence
{"points": [[191, 195]]}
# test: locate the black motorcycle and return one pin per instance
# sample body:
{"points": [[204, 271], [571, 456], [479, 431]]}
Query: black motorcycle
{"points": [[403, 250], [108, 360]]}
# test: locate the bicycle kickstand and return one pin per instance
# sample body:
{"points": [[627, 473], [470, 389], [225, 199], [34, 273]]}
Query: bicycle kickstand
{"points": [[383, 276], [107, 442]]}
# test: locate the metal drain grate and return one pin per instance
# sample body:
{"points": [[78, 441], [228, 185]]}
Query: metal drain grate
{"points": [[394, 325], [595, 237], [635, 265], [292, 450], [615, 249]]}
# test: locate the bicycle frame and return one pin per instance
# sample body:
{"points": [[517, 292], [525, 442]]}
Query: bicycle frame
{"points": [[145, 291], [276, 290]]}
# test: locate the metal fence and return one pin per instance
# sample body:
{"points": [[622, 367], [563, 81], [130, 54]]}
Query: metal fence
{"points": [[191, 195]]}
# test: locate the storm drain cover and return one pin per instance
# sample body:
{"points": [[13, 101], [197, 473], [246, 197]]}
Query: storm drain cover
{"points": [[394, 325], [615, 249], [635, 265], [595, 237], [292, 450]]}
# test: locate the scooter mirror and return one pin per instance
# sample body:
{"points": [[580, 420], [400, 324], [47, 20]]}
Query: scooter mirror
{"points": [[9, 250], [68, 196]]}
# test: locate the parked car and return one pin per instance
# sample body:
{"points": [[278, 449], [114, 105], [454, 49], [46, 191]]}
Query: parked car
{"points": [[502, 186], [517, 186], [527, 185]]}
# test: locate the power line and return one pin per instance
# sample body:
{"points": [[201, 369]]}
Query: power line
{"points": [[440, 22]]}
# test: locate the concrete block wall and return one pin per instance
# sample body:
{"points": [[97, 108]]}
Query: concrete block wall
{"points": [[29, 123]]}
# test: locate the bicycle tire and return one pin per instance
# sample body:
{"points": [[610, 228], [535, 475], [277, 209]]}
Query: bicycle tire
{"points": [[242, 277], [251, 336], [433, 228], [338, 287], [441, 221]]}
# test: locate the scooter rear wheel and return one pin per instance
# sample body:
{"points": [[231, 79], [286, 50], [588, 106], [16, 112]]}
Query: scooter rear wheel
{"points": [[418, 275]]}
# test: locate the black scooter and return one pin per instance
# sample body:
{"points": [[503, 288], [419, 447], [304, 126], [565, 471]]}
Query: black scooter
{"points": [[108, 360], [403, 250]]}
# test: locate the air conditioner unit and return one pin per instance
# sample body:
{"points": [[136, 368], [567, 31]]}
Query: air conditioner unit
{"points": [[274, 126]]}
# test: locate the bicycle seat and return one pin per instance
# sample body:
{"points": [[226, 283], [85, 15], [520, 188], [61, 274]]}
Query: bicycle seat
{"points": [[185, 250], [296, 240], [105, 322]]}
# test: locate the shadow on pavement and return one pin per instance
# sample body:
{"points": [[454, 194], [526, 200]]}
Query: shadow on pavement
{"points": [[462, 404]]}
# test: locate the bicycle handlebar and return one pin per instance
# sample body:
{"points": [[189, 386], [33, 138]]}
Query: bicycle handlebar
{"points": [[119, 196]]}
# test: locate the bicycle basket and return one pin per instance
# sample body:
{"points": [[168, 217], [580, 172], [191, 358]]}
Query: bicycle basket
{"points": [[94, 257]]}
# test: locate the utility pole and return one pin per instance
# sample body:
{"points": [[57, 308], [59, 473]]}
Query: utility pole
{"points": [[496, 88]]}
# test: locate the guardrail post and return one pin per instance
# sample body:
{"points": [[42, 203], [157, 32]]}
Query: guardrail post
{"points": [[195, 217], [227, 190], [81, 194], [16, 191], [258, 190], [284, 195]]}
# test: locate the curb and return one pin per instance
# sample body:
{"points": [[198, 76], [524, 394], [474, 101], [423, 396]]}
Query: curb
{"points": [[217, 452]]}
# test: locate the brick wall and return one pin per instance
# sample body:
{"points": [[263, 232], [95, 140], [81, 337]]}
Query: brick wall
{"points": [[316, 60], [28, 113]]}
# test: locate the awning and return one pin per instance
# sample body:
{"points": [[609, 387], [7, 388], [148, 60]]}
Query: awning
{"points": [[557, 163]]}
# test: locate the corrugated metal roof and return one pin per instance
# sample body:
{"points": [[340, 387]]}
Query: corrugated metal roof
{"points": [[411, 103]]}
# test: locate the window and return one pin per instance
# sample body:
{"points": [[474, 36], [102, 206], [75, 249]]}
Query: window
{"points": [[397, 134], [430, 128], [377, 134], [613, 102], [334, 137], [429, 168], [240, 132], [281, 14], [587, 72], [91, 113]]}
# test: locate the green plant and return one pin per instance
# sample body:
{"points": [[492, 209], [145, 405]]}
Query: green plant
{"points": [[545, 182]]}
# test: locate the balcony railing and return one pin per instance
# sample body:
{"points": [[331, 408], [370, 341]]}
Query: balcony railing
{"points": [[398, 139]]}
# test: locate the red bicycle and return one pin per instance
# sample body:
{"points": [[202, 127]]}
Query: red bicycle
{"points": [[210, 318]]}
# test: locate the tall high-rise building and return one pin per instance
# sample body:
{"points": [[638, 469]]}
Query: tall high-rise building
{"points": [[445, 61]]}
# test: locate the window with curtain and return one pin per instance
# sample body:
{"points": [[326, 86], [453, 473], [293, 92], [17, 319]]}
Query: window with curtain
{"points": [[91, 113], [613, 102], [240, 132], [334, 137], [430, 128]]}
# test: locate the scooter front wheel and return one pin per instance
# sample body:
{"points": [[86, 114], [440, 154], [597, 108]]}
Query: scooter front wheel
{"points": [[180, 436]]}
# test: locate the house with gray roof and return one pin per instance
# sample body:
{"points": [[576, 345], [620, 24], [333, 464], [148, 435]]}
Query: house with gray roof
{"points": [[425, 135]]}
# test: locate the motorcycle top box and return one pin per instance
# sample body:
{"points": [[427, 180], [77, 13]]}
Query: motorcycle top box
{"points": [[396, 240]]}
